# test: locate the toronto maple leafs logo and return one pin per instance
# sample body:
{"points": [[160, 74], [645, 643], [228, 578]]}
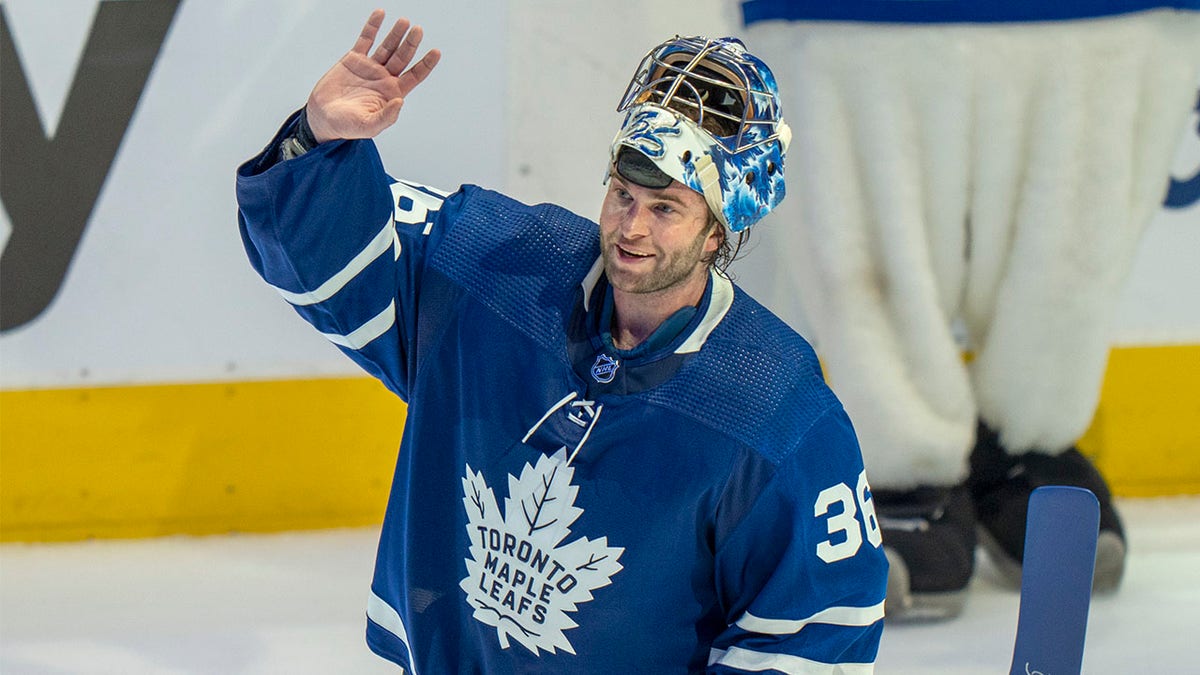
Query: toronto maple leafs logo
{"points": [[521, 578]]}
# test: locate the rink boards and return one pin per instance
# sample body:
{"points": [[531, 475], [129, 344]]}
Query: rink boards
{"points": [[263, 456]]}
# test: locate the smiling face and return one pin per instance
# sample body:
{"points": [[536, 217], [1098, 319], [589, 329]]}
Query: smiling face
{"points": [[657, 242]]}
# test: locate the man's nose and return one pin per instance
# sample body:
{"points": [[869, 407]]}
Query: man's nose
{"points": [[636, 222]]}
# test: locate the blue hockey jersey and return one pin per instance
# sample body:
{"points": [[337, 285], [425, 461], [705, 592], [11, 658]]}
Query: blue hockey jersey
{"points": [[697, 504]]}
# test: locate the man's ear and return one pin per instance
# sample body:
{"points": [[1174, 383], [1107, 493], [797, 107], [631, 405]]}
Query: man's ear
{"points": [[716, 235]]}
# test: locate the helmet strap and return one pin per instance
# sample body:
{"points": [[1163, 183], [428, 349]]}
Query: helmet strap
{"points": [[710, 182]]}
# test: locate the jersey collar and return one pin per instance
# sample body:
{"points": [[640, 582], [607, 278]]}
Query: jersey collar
{"points": [[718, 298]]}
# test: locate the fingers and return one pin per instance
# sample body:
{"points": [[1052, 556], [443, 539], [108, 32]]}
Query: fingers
{"points": [[367, 37], [397, 49], [417, 74], [394, 43], [407, 48]]}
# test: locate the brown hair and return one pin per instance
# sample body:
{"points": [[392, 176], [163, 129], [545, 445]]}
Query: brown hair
{"points": [[727, 249]]}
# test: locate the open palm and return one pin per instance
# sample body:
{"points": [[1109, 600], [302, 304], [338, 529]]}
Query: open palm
{"points": [[362, 94]]}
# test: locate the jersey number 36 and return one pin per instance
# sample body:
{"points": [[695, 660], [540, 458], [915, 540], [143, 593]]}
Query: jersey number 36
{"points": [[847, 523]]}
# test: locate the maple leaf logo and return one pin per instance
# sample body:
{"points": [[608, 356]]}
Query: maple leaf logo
{"points": [[519, 578]]}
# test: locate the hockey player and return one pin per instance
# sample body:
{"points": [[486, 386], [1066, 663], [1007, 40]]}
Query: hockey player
{"points": [[614, 460], [977, 175]]}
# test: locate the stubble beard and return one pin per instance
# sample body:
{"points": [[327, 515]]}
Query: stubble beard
{"points": [[669, 270]]}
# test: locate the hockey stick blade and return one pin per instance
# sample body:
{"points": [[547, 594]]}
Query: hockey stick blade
{"points": [[1056, 581]]}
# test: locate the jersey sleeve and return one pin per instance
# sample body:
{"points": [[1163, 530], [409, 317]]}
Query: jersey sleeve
{"points": [[344, 244], [803, 575]]}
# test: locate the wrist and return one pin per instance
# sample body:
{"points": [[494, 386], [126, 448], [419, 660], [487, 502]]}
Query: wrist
{"points": [[302, 139], [304, 133]]}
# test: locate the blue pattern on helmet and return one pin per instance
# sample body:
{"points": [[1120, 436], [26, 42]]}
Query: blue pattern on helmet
{"points": [[749, 186], [749, 162], [642, 135]]}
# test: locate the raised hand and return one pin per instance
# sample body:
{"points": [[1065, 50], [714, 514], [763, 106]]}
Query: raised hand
{"points": [[362, 95]]}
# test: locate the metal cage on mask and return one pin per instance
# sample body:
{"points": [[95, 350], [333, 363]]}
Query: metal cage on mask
{"points": [[715, 83], [706, 113]]}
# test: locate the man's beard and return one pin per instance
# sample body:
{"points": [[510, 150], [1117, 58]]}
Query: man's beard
{"points": [[668, 270]]}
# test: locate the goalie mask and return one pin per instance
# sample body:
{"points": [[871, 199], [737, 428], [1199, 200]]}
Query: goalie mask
{"points": [[705, 113]]}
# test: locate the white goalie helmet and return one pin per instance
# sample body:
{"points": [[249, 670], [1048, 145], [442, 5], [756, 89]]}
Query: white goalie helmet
{"points": [[706, 113]]}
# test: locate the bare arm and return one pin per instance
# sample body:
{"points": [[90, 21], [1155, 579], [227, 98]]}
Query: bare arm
{"points": [[362, 94]]}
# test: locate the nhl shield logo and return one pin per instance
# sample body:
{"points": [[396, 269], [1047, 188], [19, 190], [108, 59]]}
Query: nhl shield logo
{"points": [[605, 368]]}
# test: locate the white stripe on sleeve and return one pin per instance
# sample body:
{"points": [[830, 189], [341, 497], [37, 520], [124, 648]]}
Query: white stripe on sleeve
{"points": [[381, 243], [757, 662], [389, 619], [362, 336], [838, 616]]}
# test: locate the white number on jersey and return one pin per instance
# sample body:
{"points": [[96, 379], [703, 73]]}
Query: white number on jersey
{"points": [[414, 204], [844, 527]]}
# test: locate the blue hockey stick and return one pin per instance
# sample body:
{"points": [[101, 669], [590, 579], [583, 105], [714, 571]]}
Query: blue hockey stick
{"points": [[1056, 581]]}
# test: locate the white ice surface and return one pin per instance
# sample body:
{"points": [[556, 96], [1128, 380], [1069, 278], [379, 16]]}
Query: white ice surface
{"points": [[294, 603]]}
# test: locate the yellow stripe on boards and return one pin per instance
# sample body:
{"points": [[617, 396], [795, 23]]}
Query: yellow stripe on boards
{"points": [[266, 456], [196, 459], [1145, 436]]}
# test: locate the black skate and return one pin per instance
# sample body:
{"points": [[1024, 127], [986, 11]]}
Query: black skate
{"points": [[1000, 486], [929, 539]]}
